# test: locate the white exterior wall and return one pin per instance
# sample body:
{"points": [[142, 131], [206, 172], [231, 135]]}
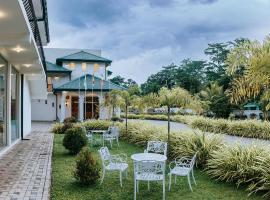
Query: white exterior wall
{"points": [[78, 71], [42, 111], [26, 108], [58, 81]]}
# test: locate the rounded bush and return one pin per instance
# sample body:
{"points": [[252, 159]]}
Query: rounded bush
{"points": [[70, 120], [75, 139], [87, 169]]}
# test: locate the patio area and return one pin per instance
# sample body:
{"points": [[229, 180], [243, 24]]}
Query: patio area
{"points": [[25, 171], [64, 186]]}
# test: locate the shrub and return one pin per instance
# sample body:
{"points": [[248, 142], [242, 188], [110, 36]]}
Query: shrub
{"points": [[191, 142], [75, 139], [57, 128], [245, 128], [96, 124], [243, 166], [184, 143], [70, 120], [87, 169], [117, 119]]}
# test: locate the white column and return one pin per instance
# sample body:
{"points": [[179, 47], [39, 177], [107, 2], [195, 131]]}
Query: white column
{"points": [[81, 107], [8, 104], [63, 106], [101, 107]]}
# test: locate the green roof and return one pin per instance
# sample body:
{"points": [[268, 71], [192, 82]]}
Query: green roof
{"points": [[79, 83], [84, 57], [251, 105], [53, 68]]}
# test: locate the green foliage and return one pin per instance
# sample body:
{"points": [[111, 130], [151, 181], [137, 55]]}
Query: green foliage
{"points": [[96, 124], [70, 120], [241, 165], [87, 169], [57, 128], [183, 143], [244, 128], [63, 186], [75, 139]]}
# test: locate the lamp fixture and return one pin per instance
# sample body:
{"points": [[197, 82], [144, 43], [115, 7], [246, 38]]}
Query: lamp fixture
{"points": [[2, 14], [2, 65], [18, 49], [27, 65]]}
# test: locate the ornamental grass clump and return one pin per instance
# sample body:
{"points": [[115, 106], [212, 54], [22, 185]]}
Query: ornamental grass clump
{"points": [[87, 169], [242, 165], [75, 139], [57, 128], [188, 143]]}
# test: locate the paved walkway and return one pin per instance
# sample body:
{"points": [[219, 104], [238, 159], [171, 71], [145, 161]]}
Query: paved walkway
{"points": [[226, 138], [25, 171]]}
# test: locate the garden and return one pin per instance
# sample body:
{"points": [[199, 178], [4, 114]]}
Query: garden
{"points": [[222, 172]]}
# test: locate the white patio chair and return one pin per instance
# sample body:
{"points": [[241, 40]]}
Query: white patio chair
{"points": [[113, 163], [112, 134], [182, 167], [148, 171], [90, 136], [158, 147]]}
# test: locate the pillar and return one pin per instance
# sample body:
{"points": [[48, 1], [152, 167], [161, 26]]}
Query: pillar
{"points": [[63, 106], [81, 107]]}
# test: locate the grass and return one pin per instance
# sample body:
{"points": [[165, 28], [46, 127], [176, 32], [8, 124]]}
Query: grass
{"points": [[65, 187]]}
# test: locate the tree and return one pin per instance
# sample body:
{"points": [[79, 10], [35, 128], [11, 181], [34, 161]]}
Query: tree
{"points": [[175, 97], [119, 80], [126, 102], [113, 100], [253, 58], [216, 99]]}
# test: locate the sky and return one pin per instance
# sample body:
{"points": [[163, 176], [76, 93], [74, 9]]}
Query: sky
{"points": [[141, 36]]}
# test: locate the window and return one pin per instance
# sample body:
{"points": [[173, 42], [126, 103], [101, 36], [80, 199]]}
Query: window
{"points": [[53, 104], [3, 89], [84, 67], [46, 102]]}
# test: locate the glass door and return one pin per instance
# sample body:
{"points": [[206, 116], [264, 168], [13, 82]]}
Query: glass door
{"points": [[14, 105], [3, 92]]}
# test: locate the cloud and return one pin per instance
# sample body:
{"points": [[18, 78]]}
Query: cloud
{"points": [[142, 35]]}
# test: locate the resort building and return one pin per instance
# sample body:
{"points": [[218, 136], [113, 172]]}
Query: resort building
{"points": [[24, 31], [77, 86]]}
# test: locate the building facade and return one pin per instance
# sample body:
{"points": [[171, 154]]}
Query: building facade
{"points": [[77, 86], [23, 32]]}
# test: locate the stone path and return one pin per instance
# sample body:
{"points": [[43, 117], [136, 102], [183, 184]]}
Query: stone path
{"points": [[226, 138], [25, 171]]}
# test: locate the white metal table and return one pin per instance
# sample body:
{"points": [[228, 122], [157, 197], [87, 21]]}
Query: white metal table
{"points": [[148, 156], [100, 133]]}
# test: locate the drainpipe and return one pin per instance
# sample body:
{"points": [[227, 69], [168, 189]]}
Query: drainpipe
{"points": [[22, 88]]}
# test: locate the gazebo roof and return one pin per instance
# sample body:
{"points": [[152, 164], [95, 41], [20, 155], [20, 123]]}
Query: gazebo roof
{"points": [[251, 105], [88, 83], [83, 56]]}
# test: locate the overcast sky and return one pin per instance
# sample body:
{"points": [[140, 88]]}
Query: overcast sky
{"points": [[141, 36]]}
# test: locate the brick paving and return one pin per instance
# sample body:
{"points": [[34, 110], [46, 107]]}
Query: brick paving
{"points": [[25, 171]]}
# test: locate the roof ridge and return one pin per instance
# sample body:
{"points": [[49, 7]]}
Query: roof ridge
{"points": [[83, 52]]}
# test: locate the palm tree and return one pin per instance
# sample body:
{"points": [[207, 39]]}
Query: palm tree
{"points": [[126, 97], [113, 100], [209, 93], [175, 97], [253, 58]]}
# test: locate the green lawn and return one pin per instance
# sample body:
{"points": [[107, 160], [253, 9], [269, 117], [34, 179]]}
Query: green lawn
{"points": [[65, 187]]}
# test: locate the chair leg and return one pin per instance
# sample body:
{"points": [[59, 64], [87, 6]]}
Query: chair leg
{"points": [[120, 176], [138, 186], [135, 188], [193, 177], [164, 188], [117, 141], [126, 173], [103, 176], [174, 179], [170, 181], [148, 184], [189, 183], [111, 143]]}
